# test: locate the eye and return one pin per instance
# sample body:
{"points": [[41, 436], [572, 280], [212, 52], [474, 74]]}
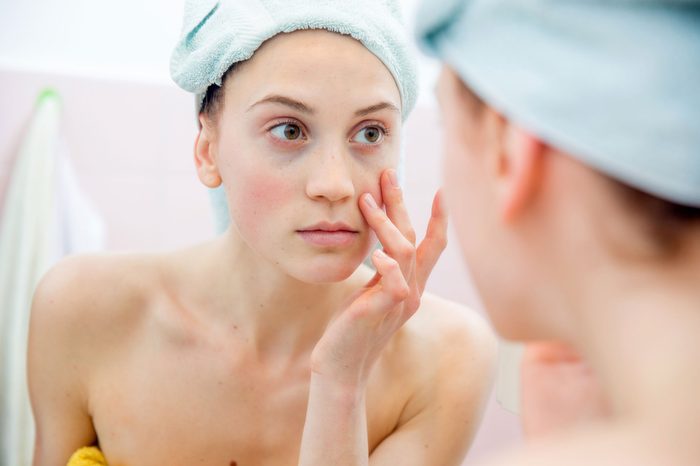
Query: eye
{"points": [[287, 131], [370, 135]]}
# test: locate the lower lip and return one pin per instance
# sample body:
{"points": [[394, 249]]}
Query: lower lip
{"points": [[328, 238]]}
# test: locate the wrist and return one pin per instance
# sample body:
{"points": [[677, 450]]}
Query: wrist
{"points": [[346, 389], [341, 374]]}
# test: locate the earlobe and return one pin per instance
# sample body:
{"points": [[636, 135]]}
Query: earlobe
{"points": [[204, 158], [521, 169]]}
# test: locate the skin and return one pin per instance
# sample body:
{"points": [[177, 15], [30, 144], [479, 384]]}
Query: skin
{"points": [[578, 270], [257, 347], [559, 389]]}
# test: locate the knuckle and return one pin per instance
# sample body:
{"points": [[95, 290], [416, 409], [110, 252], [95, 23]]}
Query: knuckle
{"points": [[401, 293], [411, 235], [413, 302], [392, 264], [437, 241], [360, 309], [442, 242], [406, 250]]}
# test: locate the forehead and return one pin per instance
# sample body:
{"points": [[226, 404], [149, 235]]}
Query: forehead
{"points": [[314, 65]]}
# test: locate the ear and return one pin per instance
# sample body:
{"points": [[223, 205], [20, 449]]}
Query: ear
{"points": [[204, 155], [520, 168]]}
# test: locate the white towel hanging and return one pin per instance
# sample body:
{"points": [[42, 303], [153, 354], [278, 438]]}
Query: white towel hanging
{"points": [[43, 219]]}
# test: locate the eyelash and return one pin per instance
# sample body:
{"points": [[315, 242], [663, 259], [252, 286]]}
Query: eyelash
{"points": [[287, 122], [372, 124], [375, 124]]}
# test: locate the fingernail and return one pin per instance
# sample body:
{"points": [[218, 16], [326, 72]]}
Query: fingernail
{"points": [[393, 179], [380, 254], [369, 200]]}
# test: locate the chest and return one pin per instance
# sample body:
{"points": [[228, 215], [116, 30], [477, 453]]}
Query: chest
{"points": [[197, 405]]}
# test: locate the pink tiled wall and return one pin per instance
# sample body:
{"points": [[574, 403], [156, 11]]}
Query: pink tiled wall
{"points": [[131, 146]]}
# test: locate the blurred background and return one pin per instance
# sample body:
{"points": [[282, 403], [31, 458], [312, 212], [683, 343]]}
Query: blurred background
{"points": [[121, 142]]}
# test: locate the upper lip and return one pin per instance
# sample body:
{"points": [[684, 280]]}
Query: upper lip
{"points": [[330, 227]]}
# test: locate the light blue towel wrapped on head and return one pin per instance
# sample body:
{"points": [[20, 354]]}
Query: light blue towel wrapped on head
{"points": [[614, 83], [217, 34]]}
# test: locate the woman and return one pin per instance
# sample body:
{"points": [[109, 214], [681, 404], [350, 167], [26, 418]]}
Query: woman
{"points": [[272, 344], [573, 177]]}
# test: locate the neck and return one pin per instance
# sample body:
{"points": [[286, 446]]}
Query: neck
{"points": [[639, 328], [276, 314]]}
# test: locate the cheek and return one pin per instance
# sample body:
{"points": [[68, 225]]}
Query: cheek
{"points": [[366, 179], [255, 196], [462, 195], [455, 172]]}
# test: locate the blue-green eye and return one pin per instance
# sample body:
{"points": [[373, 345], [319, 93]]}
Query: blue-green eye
{"points": [[287, 131], [369, 135]]}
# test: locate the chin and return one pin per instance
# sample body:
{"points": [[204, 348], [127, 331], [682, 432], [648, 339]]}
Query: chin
{"points": [[507, 330], [513, 320], [505, 307], [327, 269]]}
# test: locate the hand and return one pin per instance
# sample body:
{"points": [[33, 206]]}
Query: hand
{"points": [[559, 390], [353, 341]]}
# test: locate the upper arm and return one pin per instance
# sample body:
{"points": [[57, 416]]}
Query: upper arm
{"points": [[448, 406], [56, 365]]}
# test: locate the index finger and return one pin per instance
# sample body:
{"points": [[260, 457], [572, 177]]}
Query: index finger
{"points": [[395, 206]]}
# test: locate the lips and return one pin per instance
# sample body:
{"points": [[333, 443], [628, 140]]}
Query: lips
{"points": [[327, 234]]}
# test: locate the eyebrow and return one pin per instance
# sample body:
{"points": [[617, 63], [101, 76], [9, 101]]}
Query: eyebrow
{"points": [[376, 108], [302, 107], [289, 102]]}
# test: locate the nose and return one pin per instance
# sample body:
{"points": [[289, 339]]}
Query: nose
{"points": [[330, 178]]}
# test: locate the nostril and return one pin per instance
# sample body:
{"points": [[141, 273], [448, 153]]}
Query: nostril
{"points": [[331, 186]]}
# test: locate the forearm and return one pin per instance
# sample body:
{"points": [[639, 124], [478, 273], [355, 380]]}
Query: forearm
{"points": [[335, 431]]}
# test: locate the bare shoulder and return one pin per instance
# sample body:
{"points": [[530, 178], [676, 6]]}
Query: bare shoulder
{"points": [[449, 352], [444, 358], [84, 294], [449, 331], [83, 307]]}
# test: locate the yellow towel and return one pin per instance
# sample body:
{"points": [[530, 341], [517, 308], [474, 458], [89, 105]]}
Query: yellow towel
{"points": [[87, 456]]}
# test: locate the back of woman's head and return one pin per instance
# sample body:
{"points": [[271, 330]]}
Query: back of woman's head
{"points": [[662, 224], [666, 225], [612, 84]]}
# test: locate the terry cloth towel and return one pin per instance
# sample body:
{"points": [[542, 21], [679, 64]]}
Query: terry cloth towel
{"points": [[615, 83], [87, 456], [217, 34], [45, 216]]}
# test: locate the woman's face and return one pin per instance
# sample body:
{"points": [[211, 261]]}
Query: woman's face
{"points": [[510, 255], [465, 182], [307, 126], [471, 194]]}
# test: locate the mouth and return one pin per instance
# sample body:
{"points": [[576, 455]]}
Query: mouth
{"points": [[329, 234]]}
